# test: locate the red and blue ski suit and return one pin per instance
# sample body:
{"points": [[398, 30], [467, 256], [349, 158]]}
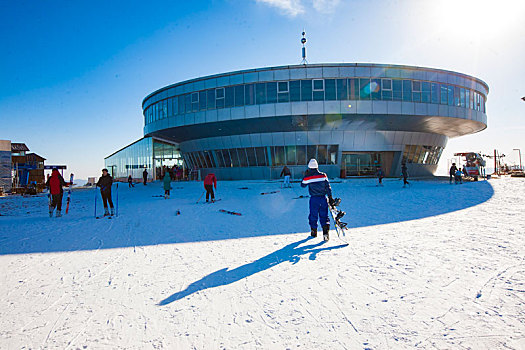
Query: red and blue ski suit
{"points": [[319, 188]]}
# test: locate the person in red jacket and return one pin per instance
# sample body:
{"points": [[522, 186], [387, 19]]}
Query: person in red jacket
{"points": [[54, 185], [210, 181]]}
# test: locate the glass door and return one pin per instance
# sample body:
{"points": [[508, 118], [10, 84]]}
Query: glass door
{"points": [[361, 164]]}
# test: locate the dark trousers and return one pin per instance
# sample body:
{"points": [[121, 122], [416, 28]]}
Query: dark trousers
{"points": [[106, 198], [145, 180], [56, 201], [209, 191], [130, 184], [405, 182], [167, 192], [318, 209]]}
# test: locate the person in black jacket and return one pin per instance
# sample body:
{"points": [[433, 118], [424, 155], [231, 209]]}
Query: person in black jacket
{"points": [[319, 188], [404, 172], [145, 176], [380, 175], [452, 172], [105, 182], [130, 181]]}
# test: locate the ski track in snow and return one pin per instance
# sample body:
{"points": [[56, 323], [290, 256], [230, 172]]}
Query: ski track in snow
{"points": [[430, 266]]}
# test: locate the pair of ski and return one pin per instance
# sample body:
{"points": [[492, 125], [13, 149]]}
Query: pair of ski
{"points": [[105, 216], [230, 212], [211, 202], [271, 192]]}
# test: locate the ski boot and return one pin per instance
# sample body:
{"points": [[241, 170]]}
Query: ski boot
{"points": [[59, 213], [326, 229], [313, 233], [106, 212], [112, 211]]}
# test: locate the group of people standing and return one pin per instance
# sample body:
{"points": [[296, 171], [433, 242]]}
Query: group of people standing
{"points": [[457, 174]]}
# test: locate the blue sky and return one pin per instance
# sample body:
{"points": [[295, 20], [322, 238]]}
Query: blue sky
{"points": [[73, 73]]}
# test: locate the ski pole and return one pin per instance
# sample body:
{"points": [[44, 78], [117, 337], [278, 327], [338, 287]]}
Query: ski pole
{"points": [[117, 199], [200, 197]]}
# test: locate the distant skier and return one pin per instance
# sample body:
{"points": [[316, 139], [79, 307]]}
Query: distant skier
{"points": [[452, 173], [210, 181], [380, 175], [457, 177], [105, 182], [145, 176], [130, 182], [167, 184], [404, 172], [54, 184], [319, 188], [286, 172]]}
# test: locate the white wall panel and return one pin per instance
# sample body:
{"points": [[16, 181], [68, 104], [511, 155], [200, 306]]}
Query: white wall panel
{"points": [[267, 110], [237, 113], [313, 137], [223, 114], [252, 111]]}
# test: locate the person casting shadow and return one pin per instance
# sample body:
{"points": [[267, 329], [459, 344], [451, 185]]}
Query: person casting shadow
{"points": [[292, 253]]}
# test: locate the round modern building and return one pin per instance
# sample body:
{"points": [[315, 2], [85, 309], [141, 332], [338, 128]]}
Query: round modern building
{"points": [[350, 117]]}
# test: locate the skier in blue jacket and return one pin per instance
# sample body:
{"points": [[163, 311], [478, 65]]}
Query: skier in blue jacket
{"points": [[319, 188]]}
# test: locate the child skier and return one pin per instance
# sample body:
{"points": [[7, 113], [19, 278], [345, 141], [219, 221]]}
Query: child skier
{"points": [[319, 188], [105, 182], [287, 173], [457, 177], [130, 182], [210, 181], [54, 184]]}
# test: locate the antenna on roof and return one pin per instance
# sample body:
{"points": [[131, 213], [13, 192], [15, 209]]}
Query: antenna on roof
{"points": [[303, 41]]}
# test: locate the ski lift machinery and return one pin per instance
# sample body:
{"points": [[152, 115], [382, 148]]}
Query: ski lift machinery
{"points": [[474, 164]]}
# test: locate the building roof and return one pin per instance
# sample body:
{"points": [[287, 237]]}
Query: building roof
{"points": [[18, 147], [34, 156]]}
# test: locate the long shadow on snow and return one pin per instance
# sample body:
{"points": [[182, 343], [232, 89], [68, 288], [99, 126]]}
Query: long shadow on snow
{"points": [[290, 253]]}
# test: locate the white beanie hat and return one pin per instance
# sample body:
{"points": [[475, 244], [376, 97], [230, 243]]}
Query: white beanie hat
{"points": [[312, 164]]}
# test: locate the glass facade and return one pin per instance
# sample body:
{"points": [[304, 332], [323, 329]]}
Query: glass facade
{"points": [[147, 153], [316, 90], [262, 156], [422, 154], [5, 170], [361, 164]]}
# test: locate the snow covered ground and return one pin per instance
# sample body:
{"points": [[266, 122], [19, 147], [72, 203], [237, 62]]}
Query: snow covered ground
{"points": [[431, 266]]}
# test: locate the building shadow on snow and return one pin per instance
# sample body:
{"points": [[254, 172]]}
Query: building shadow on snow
{"points": [[290, 253], [279, 213]]}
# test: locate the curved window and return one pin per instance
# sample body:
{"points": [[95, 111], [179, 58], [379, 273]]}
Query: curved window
{"points": [[315, 90], [263, 156], [422, 154]]}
